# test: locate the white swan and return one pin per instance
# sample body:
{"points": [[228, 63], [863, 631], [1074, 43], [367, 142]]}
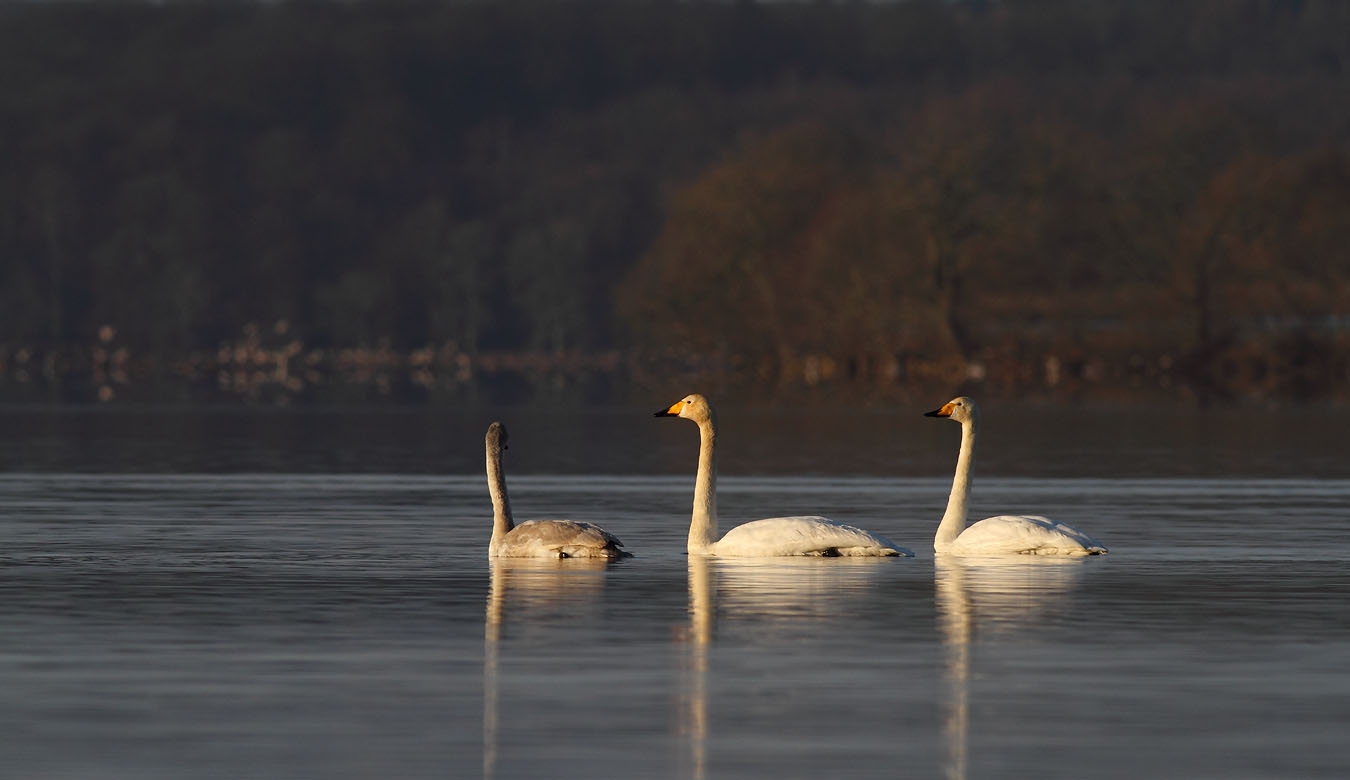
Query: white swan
{"points": [[1026, 534], [537, 538], [774, 536]]}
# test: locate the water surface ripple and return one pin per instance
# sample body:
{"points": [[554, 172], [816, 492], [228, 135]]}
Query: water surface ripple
{"points": [[338, 625], [190, 593]]}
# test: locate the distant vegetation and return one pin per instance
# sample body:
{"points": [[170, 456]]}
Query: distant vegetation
{"points": [[303, 200]]}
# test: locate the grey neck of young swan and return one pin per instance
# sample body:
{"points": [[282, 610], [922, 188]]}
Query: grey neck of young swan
{"points": [[501, 504], [703, 524], [954, 520]]}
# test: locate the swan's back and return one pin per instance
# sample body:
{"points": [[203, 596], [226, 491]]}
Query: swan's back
{"points": [[558, 539], [1024, 534], [804, 535]]}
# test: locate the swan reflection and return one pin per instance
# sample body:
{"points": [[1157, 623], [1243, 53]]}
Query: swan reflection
{"points": [[534, 589], [795, 587], [694, 670], [977, 595], [773, 594]]}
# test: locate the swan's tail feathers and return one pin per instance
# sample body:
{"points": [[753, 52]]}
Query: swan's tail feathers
{"points": [[613, 553], [897, 551], [890, 551]]}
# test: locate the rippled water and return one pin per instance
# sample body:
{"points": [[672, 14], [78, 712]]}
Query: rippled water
{"points": [[218, 620]]}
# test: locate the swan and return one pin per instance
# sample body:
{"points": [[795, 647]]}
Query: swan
{"points": [[774, 536], [1025, 534], [537, 538]]}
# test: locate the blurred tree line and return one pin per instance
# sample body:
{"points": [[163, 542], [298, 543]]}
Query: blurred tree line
{"points": [[781, 191]]}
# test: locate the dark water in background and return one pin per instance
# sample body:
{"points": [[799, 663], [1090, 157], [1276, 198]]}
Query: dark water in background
{"points": [[232, 594], [1018, 440]]}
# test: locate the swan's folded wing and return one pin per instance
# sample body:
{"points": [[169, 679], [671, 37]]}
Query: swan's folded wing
{"points": [[562, 538], [1089, 544], [1026, 534], [804, 535]]}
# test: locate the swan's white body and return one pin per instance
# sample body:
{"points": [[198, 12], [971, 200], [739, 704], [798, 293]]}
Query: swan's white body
{"points": [[1025, 534], [537, 538], [771, 537], [1004, 534], [800, 535]]}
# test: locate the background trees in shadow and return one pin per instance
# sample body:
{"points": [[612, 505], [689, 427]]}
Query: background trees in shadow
{"points": [[773, 197]]}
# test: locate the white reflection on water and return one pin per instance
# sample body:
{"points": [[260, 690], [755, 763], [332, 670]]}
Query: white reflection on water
{"points": [[694, 672], [533, 587], [983, 594], [796, 587], [776, 595]]}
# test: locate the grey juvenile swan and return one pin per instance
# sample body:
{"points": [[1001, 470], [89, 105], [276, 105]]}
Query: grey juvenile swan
{"points": [[537, 538]]}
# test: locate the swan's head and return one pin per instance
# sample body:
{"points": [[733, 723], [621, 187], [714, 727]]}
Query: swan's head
{"points": [[692, 407], [496, 437], [962, 410]]}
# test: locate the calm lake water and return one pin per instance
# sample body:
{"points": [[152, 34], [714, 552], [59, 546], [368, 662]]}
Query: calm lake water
{"points": [[195, 593]]}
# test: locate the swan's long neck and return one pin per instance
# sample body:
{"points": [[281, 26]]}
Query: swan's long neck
{"points": [[501, 504], [954, 520], [703, 525]]}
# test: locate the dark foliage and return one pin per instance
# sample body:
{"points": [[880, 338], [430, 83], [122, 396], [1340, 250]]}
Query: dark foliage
{"points": [[882, 187]]}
